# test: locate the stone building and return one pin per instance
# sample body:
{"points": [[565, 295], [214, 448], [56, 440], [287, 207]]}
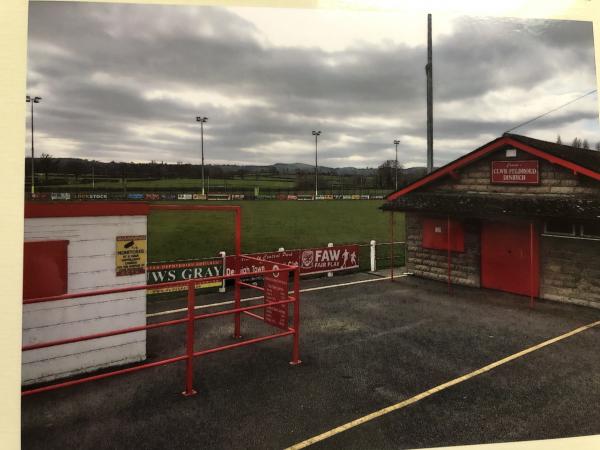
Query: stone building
{"points": [[518, 214]]}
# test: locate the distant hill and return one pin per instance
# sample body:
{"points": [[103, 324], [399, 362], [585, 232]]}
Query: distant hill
{"points": [[156, 169], [287, 168]]}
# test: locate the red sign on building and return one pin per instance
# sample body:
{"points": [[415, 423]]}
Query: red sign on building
{"points": [[515, 172]]}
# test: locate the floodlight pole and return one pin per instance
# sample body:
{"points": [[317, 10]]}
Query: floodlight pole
{"points": [[396, 166], [202, 120], [429, 73], [32, 100], [316, 135]]}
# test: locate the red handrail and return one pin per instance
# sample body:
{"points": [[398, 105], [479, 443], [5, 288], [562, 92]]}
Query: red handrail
{"points": [[153, 286], [189, 320]]}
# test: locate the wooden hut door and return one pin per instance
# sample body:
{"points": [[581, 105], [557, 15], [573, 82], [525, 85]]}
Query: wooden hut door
{"points": [[509, 258]]}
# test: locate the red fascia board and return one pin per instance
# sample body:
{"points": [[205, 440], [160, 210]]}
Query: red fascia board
{"points": [[85, 209], [447, 169], [473, 156], [554, 159]]}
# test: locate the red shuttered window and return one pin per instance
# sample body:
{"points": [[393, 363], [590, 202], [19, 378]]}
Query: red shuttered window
{"points": [[45, 269], [435, 234]]}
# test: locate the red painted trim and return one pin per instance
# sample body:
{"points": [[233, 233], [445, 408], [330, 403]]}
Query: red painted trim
{"points": [[532, 273], [483, 151], [85, 209], [554, 159], [447, 169], [231, 208]]}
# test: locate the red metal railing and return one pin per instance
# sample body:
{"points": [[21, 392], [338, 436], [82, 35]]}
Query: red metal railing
{"points": [[189, 320]]}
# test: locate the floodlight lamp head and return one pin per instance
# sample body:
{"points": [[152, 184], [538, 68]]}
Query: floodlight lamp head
{"points": [[37, 99], [396, 142], [27, 98], [201, 119], [316, 133]]}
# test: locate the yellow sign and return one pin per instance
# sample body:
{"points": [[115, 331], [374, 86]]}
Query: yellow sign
{"points": [[131, 255]]}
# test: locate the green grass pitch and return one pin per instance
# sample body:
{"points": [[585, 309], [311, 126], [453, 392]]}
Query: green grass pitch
{"points": [[268, 225]]}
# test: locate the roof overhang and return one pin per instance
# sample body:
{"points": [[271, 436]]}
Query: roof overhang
{"points": [[481, 152], [482, 206]]}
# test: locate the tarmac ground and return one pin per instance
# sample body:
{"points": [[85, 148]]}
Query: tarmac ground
{"points": [[363, 347]]}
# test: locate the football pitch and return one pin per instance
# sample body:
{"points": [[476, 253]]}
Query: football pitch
{"points": [[268, 225]]}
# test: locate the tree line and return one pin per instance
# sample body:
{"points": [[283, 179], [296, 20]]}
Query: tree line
{"points": [[579, 143], [59, 171]]}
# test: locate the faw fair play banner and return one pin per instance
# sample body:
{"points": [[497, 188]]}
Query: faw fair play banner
{"points": [[310, 260]]}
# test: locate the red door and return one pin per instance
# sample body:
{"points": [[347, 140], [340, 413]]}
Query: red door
{"points": [[509, 258]]}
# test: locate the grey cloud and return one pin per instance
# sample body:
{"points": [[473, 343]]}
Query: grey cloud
{"points": [[144, 47], [488, 54]]}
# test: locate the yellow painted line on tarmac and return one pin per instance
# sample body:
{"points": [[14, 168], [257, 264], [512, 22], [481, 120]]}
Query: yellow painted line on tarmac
{"points": [[441, 387]]}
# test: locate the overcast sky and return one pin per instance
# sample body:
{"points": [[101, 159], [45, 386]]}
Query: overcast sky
{"points": [[125, 83]]}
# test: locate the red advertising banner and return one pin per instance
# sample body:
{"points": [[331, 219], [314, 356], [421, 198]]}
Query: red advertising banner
{"points": [[311, 260], [276, 290], [515, 172], [328, 259]]}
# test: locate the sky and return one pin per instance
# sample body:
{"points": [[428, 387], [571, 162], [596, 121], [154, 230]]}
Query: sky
{"points": [[126, 82]]}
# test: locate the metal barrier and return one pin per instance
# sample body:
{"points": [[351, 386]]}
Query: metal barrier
{"points": [[190, 321]]}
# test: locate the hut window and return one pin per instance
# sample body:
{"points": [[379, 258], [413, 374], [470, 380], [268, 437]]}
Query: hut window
{"points": [[560, 227], [435, 235]]}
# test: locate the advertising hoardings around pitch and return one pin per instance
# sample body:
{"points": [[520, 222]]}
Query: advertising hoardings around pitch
{"points": [[311, 260], [188, 270]]}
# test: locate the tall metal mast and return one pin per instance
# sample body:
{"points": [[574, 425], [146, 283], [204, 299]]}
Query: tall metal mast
{"points": [[429, 72]]}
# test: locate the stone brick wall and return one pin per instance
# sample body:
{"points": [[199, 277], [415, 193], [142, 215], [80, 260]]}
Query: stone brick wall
{"points": [[570, 270], [554, 180], [431, 263]]}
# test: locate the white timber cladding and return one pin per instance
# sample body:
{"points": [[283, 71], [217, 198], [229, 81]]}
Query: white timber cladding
{"points": [[91, 266]]}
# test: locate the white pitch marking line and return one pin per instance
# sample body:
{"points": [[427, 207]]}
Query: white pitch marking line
{"points": [[318, 288]]}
